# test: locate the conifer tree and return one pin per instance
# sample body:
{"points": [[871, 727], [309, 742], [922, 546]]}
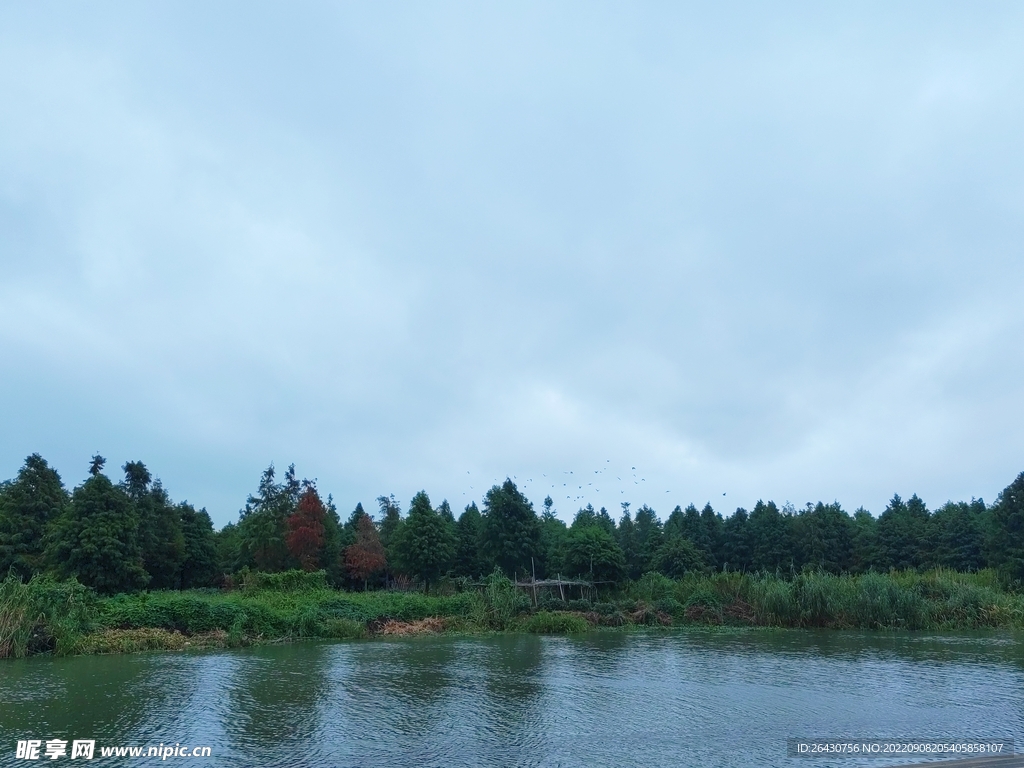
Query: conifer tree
{"points": [[736, 544], [467, 531], [551, 542], [591, 551], [364, 558], [958, 536], [96, 539], [160, 534], [648, 535], [678, 556], [29, 505], [511, 534], [199, 567], [425, 543], [306, 529], [1006, 541], [263, 526], [332, 554], [772, 543]]}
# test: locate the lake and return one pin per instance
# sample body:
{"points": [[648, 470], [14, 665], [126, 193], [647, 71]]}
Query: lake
{"points": [[680, 698]]}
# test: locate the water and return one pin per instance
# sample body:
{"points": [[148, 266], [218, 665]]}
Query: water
{"points": [[694, 698]]}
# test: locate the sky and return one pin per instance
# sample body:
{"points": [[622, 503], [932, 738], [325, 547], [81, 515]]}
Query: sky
{"points": [[686, 253]]}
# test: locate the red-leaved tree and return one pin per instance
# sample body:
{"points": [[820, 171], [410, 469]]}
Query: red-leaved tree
{"points": [[365, 557], [306, 529]]}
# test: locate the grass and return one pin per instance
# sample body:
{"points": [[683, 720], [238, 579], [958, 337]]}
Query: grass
{"points": [[62, 618]]}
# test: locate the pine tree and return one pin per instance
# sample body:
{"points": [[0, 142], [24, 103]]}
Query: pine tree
{"points": [[425, 545], [903, 534], [390, 524], [958, 536], [736, 543], [29, 505], [332, 554], [824, 535], [711, 535], [648, 535], [1006, 539], [96, 540], [306, 529], [772, 542], [678, 556], [625, 535], [160, 534], [511, 535], [263, 527], [865, 555], [199, 567], [467, 555], [364, 558], [591, 551], [551, 542]]}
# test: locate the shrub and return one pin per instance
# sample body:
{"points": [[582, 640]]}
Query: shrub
{"points": [[650, 587], [43, 615], [285, 581], [556, 623]]}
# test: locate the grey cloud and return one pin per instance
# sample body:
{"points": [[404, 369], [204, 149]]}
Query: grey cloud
{"points": [[763, 253]]}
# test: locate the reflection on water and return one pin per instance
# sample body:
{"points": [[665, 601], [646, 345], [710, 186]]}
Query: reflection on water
{"points": [[700, 698]]}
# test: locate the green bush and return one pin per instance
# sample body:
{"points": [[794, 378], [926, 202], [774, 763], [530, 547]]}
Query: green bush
{"points": [[43, 615], [555, 623], [650, 587], [285, 581]]}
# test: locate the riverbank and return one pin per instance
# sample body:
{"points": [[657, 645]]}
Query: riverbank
{"points": [[64, 618]]}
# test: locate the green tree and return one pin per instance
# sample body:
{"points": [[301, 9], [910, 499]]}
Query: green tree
{"points": [[263, 525], [648, 538], [444, 509], [824, 536], [711, 535], [864, 544], [694, 530], [228, 545], [335, 540], [584, 517], [770, 533], [590, 550], [96, 538], [903, 533], [28, 507], [160, 534], [551, 541], [674, 525], [959, 536], [467, 531], [1006, 539], [625, 535], [199, 567], [511, 534], [736, 543], [678, 556], [425, 545], [390, 524]]}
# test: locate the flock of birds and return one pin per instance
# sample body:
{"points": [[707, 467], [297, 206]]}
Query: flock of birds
{"points": [[571, 484]]}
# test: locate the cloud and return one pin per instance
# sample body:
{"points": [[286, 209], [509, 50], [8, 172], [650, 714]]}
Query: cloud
{"points": [[762, 255]]}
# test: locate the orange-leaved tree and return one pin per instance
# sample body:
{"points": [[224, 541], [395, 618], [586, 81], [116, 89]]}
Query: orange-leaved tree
{"points": [[365, 558], [306, 529]]}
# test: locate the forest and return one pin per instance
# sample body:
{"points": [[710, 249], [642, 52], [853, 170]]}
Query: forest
{"points": [[115, 567], [129, 535]]}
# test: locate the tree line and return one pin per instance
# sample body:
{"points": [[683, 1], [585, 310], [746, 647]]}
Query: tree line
{"points": [[129, 535]]}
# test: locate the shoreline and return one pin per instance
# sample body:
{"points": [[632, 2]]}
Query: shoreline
{"points": [[65, 619]]}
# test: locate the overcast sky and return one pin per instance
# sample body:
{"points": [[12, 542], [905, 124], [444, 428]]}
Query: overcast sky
{"points": [[759, 253]]}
